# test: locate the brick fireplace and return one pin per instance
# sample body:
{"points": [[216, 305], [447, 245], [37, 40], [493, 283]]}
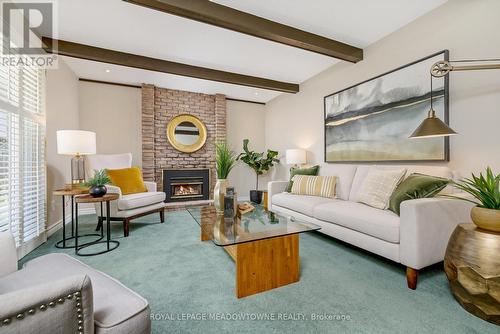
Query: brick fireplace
{"points": [[159, 106]]}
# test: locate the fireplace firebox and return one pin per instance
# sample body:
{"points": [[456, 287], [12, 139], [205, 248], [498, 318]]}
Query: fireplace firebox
{"points": [[186, 184]]}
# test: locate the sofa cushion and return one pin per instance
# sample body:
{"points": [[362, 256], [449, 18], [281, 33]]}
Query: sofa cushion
{"points": [[362, 172], [382, 224], [378, 187], [300, 171], [323, 186], [129, 180], [115, 306], [132, 201], [344, 174], [300, 203]]}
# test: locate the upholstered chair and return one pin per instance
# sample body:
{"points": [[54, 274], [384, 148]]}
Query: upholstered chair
{"points": [[129, 206], [56, 293]]}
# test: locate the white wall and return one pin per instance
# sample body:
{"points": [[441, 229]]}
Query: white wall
{"points": [[469, 29], [62, 114], [245, 121], [114, 114]]}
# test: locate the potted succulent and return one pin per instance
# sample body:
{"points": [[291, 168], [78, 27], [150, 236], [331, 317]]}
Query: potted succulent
{"points": [[486, 193], [225, 159], [260, 163], [97, 184]]}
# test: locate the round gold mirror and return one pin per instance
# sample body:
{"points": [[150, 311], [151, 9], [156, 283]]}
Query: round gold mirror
{"points": [[186, 133]]}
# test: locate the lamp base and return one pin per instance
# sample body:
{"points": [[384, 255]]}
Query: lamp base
{"points": [[77, 169]]}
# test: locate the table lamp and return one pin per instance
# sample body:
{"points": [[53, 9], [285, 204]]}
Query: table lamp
{"points": [[295, 157], [76, 143]]}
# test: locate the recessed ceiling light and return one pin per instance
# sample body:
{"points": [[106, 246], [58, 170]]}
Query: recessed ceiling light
{"points": [[256, 93], [107, 71]]}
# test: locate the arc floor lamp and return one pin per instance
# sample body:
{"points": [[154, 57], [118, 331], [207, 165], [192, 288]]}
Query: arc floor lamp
{"points": [[432, 126]]}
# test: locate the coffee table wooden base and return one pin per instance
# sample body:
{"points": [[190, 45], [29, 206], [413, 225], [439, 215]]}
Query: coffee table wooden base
{"points": [[265, 264]]}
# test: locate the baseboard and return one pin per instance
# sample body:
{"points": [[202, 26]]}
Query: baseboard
{"points": [[58, 225]]}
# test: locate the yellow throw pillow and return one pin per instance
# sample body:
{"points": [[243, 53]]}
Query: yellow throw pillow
{"points": [[129, 180], [323, 186]]}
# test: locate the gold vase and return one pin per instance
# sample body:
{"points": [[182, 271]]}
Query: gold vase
{"points": [[486, 219], [219, 194]]}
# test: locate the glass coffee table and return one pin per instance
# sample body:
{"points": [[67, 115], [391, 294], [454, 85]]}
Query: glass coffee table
{"points": [[263, 245]]}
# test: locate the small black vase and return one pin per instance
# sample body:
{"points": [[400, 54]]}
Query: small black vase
{"points": [[256, 196], [98, 191]]}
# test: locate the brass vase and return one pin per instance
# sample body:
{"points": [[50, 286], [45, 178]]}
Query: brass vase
{"points": [[219, 194], [486, 219]]}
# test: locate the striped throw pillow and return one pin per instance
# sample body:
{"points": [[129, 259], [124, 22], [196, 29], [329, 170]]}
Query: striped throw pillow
{"points": [[323, 186]]}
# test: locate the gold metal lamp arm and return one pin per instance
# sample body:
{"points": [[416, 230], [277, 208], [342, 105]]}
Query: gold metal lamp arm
{"points": [[443, 67]]}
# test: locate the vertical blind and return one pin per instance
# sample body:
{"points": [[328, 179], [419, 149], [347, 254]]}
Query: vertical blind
{"points": [[22, 155]]}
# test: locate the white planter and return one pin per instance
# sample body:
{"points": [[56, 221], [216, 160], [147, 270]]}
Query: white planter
{"points": [[219, 194]]}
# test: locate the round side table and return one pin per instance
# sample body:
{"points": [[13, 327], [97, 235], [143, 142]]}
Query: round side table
{"points": [[110, 244], [472, 265], [72, 193]]}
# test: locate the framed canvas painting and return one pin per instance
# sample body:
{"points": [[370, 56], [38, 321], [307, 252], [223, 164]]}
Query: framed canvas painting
{"points": [[372, 121]]}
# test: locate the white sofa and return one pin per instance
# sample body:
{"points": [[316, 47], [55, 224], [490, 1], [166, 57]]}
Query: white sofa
{"points": [[130, 206], [417, 238]]}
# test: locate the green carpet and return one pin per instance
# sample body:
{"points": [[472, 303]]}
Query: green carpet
{"points": [[182, 277]]}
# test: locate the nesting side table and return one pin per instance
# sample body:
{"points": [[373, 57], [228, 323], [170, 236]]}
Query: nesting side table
{"points": [[72, 193], [110, 244]]}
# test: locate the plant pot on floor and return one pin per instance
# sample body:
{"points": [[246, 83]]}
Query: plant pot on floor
{"points": [[256, 196], [486, 219], [98, 191]]}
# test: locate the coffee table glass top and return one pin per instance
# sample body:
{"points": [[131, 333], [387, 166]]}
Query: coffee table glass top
{"points": [[256, 225]]}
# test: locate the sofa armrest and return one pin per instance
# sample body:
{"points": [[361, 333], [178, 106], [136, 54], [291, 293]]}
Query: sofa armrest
{"points": [[62, 306], [8, 254], [273, 188], [151, 186], [114, 190], [426, 227]]}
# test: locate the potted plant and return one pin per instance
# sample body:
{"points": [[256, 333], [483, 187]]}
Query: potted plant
{"points": [[225, 159], [97, 184], [260, 164], [486, 193]]}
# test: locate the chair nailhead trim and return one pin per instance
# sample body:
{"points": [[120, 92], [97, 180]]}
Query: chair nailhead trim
{"points": [[43, 307]]}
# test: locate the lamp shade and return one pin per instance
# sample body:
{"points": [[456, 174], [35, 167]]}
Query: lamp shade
{"points": [[76, 142], [295, 156], [432, 127]]}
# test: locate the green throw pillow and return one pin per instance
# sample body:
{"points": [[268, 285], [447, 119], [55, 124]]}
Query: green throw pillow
{"points": [[301, 171], [416, 186]]}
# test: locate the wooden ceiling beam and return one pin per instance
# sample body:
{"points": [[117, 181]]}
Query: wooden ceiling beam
{"points": [[82, 51], [229, 18]]}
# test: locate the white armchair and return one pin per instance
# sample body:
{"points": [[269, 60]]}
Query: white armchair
{"points": [[130, 206]]}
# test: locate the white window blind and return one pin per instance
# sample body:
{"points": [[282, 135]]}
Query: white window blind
{"points": [[22, 155]]}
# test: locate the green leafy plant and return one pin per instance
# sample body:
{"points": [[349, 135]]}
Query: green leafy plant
{"points": [[225, 159], [484, 188], [259, 162], [100, 178]]}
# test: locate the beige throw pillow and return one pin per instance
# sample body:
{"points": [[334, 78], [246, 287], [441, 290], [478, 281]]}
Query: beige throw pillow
{"points": [[323, 186], [378, 187]]}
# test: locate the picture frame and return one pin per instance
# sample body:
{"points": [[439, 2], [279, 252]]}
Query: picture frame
{"points": [[372, 120]]}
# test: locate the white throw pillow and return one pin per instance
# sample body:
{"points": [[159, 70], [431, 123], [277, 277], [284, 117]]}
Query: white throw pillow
{"points": [[378, 186]]}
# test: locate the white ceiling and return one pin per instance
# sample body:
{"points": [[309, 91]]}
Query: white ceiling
{"points": [[117, 25]]}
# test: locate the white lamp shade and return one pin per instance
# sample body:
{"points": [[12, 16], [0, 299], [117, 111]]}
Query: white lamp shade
{"points": [[76, 142], [295, 156]]}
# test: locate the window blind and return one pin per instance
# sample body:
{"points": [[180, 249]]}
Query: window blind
{"points": [[22, 156]]}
